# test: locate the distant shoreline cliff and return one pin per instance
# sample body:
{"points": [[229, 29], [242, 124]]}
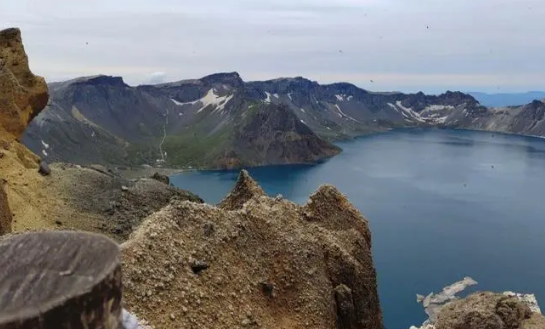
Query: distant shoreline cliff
{"points": [[223, 122]]}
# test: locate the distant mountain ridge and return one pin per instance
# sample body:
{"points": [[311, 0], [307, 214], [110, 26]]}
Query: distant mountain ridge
{"points": [[507, 99], [221, 121]]}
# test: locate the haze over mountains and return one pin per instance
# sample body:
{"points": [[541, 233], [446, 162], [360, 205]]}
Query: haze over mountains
{"points": [[221, 121], [507, 99]]}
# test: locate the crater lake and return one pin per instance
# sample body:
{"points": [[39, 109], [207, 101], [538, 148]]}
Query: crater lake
{"points": [[442, 205]]}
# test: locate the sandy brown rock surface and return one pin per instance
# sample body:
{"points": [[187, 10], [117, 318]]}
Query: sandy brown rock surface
{"points": [[254, 262], [486, 310], [22, 94]]}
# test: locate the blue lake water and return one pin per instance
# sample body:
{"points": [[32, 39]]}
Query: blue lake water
{"points": [[442, 205]]}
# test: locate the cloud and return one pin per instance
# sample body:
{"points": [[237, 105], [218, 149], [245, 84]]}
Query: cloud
{"points": [[452, 44], [156, 78]]}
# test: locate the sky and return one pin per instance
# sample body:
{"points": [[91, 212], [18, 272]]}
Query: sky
{"points": [[380, 45]]}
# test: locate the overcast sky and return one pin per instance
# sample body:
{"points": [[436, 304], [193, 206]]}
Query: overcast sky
{"points": [[407, 45]]}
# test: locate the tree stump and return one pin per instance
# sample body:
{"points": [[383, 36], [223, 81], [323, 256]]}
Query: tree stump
{"points": [[59, 280]]}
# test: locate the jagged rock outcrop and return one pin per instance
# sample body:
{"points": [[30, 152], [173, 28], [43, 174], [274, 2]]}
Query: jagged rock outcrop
{"points": [[245, 189], [22, 96], [255, 261], [161, 178]]}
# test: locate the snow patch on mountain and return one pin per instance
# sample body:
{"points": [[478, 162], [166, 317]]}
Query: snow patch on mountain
{"points": [[268, 99], [224, 102], [342, 114], [212, 98], [409, 112], [186, 103]]}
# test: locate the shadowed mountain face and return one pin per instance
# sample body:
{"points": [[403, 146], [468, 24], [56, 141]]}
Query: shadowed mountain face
{"points": [[220, 121]]}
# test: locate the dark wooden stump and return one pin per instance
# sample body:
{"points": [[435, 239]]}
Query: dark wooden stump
{"points": [[59, 280]]}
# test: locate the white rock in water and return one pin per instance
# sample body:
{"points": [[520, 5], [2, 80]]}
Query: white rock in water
{"points": [[528, 299]]}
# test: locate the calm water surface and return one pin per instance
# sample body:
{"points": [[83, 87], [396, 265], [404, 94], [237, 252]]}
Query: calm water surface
{"points": [[441, 204]]}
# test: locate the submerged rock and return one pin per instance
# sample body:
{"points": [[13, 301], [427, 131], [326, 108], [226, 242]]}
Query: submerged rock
{"points": [[434, 302]]}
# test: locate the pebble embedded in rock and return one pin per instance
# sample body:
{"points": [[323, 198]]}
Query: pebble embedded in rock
{"points": [[44, 169], [199, 266]]}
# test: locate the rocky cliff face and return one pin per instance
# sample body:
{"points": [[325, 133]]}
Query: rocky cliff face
{"points": [[22, 94], [254, 261], [22, 97]]}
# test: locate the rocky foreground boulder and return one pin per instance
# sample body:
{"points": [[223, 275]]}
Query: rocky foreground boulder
{"points": [[59, 280], [488, 310], [254, 261], [482, 310]]}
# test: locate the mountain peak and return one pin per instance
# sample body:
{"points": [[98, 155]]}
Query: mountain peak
{"points": [[101, 80], [89, 80], [228, 78]]}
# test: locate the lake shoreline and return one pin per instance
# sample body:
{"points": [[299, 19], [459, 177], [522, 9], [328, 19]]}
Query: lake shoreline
{"points": [[341, 141]]}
